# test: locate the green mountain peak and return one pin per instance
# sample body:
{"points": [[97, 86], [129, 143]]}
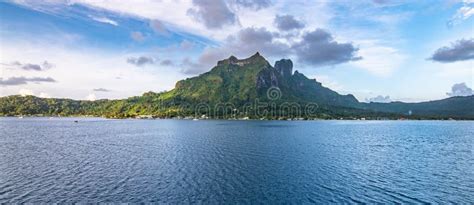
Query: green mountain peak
{"points": [[240, 82], [243, 80], [254, 59]]}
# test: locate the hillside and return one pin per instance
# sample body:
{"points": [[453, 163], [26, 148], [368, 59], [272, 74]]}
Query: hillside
{"points": [[240, 88], [242, 81], [454, 107]]}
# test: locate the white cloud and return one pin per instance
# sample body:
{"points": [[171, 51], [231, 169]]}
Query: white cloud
{"points": [[379, 99], [28, 66], [169, 11], [378, 59], [105, 20], [91, 97], [463, 13], [174, 14], [328, 82], [44, 95], [25, 92], [460, 89], [457, 70], [158, 27], [79, 70]]}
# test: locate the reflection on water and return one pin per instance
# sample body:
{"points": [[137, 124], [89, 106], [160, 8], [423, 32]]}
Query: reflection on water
{"points": [[176, 161]]}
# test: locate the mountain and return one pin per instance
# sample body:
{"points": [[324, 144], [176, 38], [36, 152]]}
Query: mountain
{"points": [[238, 88], [453, 107], [242, 81]]}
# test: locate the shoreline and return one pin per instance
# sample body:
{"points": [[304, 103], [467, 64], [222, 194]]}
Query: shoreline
{"points": [[236, 119]]}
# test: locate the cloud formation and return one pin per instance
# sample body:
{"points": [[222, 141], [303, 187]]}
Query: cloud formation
{"points": [[24, 80], [379, 59], [460, 89], [318, 48], [166, 62], [105, 20], [253, 4], [140, 61], [463, 13], [250, 40], [214, 14], [44, 95], [24, 92], [29, 66], [189, 67], [254, 35], [91, 97], [101, 90], [158, 27], [287, 23], [244, 43], [379, 99], [458, 51]]}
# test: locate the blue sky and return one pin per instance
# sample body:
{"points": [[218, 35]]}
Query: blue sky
{"points": [[408, 51]]}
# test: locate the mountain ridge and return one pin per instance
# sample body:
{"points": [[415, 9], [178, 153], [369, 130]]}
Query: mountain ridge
{"points": [[246, 88], [256, 78]]}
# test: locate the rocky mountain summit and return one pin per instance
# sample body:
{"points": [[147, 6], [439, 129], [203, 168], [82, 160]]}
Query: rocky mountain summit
{"points": [[242, 80], [236, 88]]}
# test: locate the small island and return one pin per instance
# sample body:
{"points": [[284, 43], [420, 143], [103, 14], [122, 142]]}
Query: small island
{"points": [[243, 89]]}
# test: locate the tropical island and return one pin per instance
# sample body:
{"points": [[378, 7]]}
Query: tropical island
{"points": [[248, 88]]}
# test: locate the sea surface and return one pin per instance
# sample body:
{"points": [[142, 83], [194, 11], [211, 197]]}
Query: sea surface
{"points": [[46, 160]]}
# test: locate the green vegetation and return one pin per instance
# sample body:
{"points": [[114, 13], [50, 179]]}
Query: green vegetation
{"points": [[247, 88]]}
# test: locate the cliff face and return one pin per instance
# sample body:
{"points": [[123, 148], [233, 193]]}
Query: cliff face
{"points": [[284, 67], [240, 81], [243, 80]]}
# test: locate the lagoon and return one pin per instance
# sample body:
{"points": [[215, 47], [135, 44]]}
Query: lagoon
{"points": [[46, 160]]}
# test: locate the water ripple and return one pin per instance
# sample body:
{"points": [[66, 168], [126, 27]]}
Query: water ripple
{"points": [[217, 162]]}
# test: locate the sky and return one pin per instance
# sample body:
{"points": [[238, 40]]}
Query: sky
{"points": [[378, 50]]}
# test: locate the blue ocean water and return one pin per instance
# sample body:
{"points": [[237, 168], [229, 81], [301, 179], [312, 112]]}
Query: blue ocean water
{"points": [[215, 162]]}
